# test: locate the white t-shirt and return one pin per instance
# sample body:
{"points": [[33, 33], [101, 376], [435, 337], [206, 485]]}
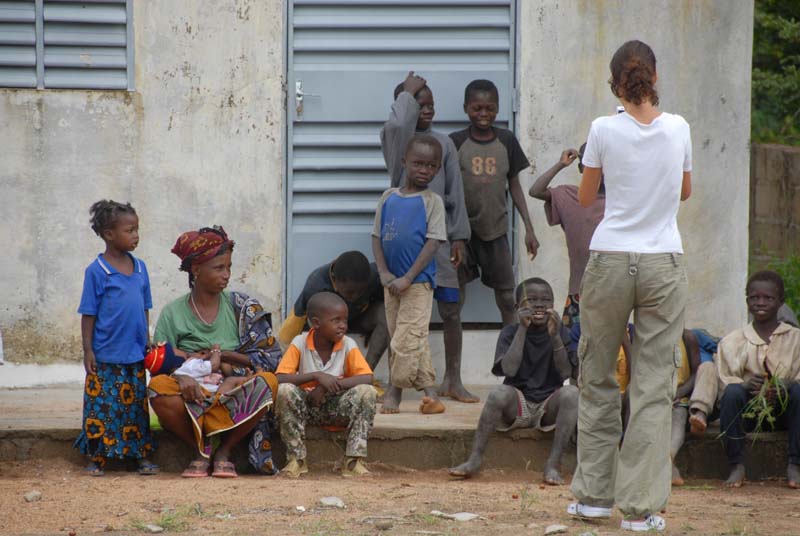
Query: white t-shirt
{"points": [[643, 169]]}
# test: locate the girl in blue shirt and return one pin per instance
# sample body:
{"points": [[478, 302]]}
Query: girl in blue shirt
{"points": [[114, 328]]}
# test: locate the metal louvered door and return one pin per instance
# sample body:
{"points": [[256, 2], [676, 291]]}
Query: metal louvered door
{"points": [[344, 59], [65, 44]]}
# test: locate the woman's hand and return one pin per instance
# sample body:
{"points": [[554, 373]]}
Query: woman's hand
{"points": [[190, 389]]}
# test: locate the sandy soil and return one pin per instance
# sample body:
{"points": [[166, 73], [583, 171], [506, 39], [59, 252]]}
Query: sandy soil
{"points": [[508, 503]]}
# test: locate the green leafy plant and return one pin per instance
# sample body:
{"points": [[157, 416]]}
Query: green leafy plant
{"points": [[789, 270], [771, 402], [776, 72]]}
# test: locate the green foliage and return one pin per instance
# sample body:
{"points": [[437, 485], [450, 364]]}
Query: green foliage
{"points": [[771, 402], [776, 72], [789, 270]]}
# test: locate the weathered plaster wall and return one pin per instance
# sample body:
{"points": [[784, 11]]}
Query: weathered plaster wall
{"points": [[199, 142], [703, 50]]}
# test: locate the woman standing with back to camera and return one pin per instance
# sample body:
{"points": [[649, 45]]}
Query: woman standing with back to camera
{"points": [[636, 264]]}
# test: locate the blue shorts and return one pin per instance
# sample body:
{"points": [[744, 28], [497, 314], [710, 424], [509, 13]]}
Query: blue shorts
{"points": [[446, 294]]}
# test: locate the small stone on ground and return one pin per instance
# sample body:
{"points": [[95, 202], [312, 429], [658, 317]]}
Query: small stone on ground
{"points": [[555, 529], [33, 496], [153, 529], [334, 502]]}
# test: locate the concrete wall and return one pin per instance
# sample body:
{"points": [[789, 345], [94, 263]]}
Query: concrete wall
{"points": [[199, 142], [774, 201], [703, 50]]}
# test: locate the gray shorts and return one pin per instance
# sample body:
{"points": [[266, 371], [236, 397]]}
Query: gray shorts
{"points": [[529, 414], [489, 260]]}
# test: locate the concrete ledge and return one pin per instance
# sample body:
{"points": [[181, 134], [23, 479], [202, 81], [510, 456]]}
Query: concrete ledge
{"points": [[420, 449]]}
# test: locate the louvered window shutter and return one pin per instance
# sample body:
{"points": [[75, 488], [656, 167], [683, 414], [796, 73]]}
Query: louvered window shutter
{"points": [[18, 44], [64, 44]]}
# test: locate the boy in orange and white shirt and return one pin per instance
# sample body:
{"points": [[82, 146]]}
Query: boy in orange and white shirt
{"points": [[324, 380]]}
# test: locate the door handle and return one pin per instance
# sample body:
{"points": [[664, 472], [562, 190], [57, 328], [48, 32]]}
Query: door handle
{"points": [[299, 94]]}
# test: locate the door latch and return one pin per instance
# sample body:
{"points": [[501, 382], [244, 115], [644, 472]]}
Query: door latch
{"points": [[299, 94]]}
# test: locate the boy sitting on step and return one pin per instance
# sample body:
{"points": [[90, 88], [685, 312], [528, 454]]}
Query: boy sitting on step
{"points": [[753, 361], [324, 380], [532, 356]]}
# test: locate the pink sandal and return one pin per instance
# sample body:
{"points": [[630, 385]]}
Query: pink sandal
{"points": [[224, 470], [196, 469]]}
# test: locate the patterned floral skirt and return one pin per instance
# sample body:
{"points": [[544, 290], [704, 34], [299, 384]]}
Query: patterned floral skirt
{"points": [[116, 419]]}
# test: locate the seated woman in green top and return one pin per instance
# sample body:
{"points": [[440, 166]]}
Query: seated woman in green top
{"points": [[207, 320]]}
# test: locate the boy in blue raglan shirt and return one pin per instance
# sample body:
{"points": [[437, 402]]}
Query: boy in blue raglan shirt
{"points": [[409, 228]]}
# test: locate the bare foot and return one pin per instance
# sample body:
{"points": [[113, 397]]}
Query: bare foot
{"points": [[431, 406], [697, 422], [793, 475], [466, 469], [552, 476], [736, 478], [677, 479], [456, 391], [391, 400]]}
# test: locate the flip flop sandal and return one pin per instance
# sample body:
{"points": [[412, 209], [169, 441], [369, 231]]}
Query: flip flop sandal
{"points": [[94, 470], [224, 470], [147, 468], [196, 469]]}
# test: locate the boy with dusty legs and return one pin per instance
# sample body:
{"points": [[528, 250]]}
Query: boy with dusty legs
{"points": [[533, 358], [324, 380], [412, 113], [754, 361], [409, 228], [690, 362], [491, 159]]}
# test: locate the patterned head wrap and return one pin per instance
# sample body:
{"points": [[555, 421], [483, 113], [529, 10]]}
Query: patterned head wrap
{"points": [[199, 246]]}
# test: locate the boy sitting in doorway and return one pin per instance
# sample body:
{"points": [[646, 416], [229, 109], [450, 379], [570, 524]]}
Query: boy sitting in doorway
{"points": [[533, 358], [750, 362], [491, 160], [324, 380], [412, 112], [356, 281]]}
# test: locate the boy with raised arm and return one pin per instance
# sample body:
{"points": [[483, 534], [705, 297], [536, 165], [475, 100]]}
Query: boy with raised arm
{"points": [[561, 207], [412, 112], [532, 356]]}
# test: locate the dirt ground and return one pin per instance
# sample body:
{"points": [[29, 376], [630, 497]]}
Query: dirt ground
{"points": [[508, 503]]}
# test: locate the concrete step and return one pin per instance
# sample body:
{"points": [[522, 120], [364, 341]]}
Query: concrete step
{"points": [[42, 424]]}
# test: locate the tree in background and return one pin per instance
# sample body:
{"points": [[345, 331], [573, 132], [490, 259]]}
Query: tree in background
{"points": [[776, 72]]}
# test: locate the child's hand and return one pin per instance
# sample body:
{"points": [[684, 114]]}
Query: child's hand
{"points": [[317, 396], [329, 383], [458, 252], [753, 385], [413, 83], [553, 323], [531, 244], [386, 278], [568, 157], [90, 363], [525, 316], [399, 285]]}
